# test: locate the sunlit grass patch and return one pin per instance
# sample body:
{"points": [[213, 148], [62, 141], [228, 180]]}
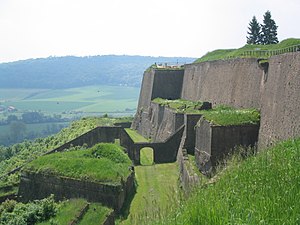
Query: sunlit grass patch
{"points": [[225, 116], [180, 105], [103, 163], [262, 189]]}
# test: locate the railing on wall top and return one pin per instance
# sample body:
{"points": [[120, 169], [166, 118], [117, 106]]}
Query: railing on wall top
{"points": [[266, 53]]}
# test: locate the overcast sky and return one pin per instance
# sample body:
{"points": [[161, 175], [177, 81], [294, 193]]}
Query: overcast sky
{"points": [[42, 28]]}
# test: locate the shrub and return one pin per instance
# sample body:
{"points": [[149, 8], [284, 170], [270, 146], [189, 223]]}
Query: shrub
{"points": [[111, 151], [19, 213]]}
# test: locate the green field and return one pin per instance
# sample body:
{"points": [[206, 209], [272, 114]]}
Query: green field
{"points": [[88, 99]]}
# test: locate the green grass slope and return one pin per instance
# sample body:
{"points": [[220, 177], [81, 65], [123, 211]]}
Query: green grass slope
{"points": [[157, 192], [16, 155], [220, 115], [281, 47], [263, 189], [226, 116], [103, 163], [69, 210], [180, 105]]}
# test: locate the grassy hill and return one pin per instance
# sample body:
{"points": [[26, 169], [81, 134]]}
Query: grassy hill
{"points": [[262, 189], [71, 71], [259, 51]]}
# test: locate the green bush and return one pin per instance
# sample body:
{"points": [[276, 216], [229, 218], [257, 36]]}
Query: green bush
{"points": [[23, 214], [110, 151]]}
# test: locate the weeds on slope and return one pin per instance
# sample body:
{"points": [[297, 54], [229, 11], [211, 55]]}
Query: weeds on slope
{"points": [[262, 189]]}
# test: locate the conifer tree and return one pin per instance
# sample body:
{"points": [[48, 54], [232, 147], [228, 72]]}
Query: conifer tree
{"points": [[269, 30], [254, 32]]}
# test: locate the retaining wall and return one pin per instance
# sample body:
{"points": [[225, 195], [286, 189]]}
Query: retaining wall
{"points": [[244, 83], [159, 122], [156, 83], [234, 82], [38, 186], [213, 142], [188, 178], [280, 106], [110, 219], [92, 137], [164, 121], [190, 122]]}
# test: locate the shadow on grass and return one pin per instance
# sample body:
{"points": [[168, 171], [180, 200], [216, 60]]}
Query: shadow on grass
{"points": [[126, 206]]}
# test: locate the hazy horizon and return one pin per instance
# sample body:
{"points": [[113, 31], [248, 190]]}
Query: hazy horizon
{"points": [[39, 29]]}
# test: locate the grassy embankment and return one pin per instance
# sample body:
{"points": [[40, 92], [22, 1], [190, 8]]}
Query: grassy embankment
{"points": [[226, 116], [180, 105], [85, 165], [220, 115], [18, 154], [262, 189], [69, 209], [240, 53], [157, 189]]}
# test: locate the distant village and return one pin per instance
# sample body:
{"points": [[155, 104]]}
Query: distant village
{"points": [[4, 108]]}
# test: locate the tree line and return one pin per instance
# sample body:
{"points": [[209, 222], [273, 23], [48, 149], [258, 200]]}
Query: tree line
{"points": [[265, 33], [33, 117], [71, 71]]}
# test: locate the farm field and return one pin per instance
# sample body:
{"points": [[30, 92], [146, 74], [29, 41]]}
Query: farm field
{"points": [[88, 99]]}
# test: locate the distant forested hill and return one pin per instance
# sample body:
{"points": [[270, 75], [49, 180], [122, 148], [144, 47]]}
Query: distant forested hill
{"points": [[71, 71]]}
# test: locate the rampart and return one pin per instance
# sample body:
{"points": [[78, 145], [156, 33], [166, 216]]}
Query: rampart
{"points": [[280, 105], [234, 82], [214, 142], [92, 137], [37, 186], [163, 83], [151, 85], [271, 87]]}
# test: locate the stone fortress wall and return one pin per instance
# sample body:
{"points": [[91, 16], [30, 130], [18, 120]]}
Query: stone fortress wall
{"points": [[273, 88]]}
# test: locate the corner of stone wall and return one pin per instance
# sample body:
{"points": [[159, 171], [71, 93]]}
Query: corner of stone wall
{"points": [[188, 179]]}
